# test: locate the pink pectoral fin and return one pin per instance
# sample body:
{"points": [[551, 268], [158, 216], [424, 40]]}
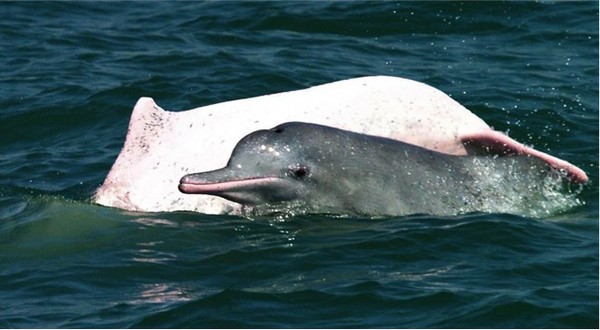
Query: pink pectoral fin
{"points": [[493, 142]]}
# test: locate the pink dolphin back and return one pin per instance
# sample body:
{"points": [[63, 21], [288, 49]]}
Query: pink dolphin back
{"points": [[163, 146]]}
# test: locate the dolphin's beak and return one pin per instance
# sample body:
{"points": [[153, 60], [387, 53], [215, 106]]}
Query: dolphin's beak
{"points": [[202, 183], [230, 185]]}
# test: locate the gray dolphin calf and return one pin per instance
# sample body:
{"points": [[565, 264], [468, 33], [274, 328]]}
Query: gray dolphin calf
{"points": [[308, 168]]}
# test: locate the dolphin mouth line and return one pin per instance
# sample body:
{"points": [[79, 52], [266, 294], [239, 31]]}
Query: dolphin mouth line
{"points": [[225, 186]]}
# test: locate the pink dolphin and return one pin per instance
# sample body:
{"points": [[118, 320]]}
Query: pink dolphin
{"points": [[163, 146]]}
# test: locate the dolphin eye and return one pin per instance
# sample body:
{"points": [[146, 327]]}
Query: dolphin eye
{"points": [[278, 130], [299, 172]]}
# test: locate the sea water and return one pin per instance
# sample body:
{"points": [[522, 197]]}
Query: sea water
{"points": [[71, 72]]}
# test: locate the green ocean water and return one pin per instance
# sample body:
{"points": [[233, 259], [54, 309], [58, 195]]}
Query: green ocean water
{"points": [[70, 73]]}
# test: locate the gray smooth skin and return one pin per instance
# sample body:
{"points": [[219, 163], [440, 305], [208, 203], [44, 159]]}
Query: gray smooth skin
{"points": [[309, 168]]}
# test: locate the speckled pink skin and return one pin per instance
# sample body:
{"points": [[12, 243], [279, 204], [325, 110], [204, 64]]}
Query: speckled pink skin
{"points": [[163, 146]]}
